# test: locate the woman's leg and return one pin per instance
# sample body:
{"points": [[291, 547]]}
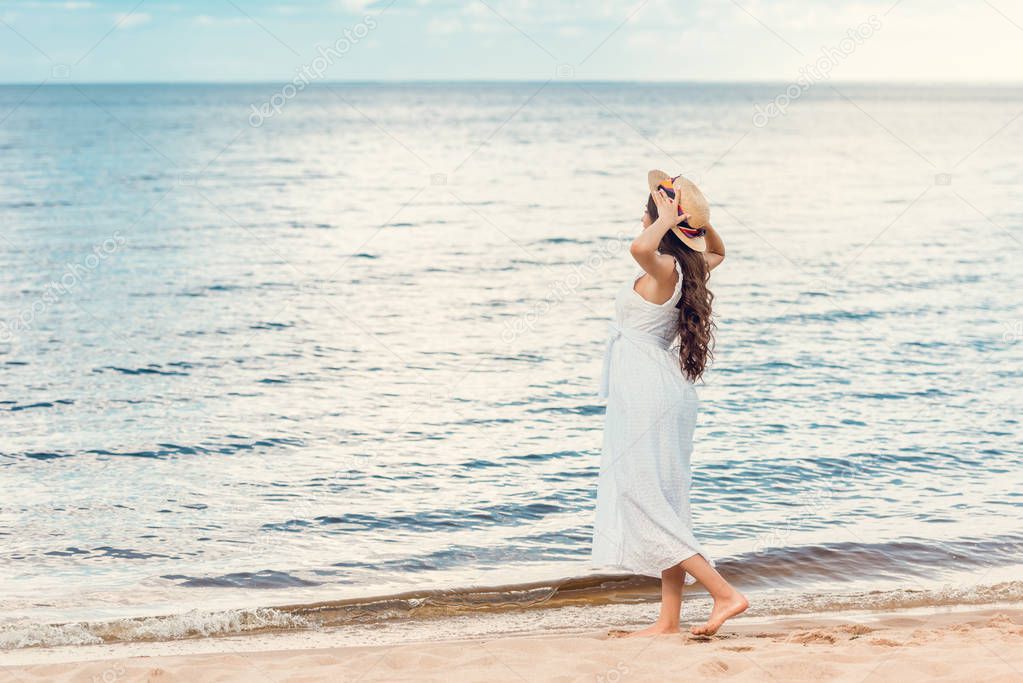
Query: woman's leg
{"points": [[672, 581], [728, 602]]}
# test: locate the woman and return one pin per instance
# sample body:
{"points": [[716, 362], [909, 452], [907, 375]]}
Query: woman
{"points": [[643, 524]]}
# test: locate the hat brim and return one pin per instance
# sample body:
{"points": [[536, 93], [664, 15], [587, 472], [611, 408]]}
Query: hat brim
{"points": [[654, 178], [698, 244]]}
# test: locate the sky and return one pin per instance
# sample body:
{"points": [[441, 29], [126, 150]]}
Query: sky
{"points": [[88, 41]]}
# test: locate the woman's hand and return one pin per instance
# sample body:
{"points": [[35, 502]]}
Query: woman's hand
{"points": [[644, 248], [667, 209]]}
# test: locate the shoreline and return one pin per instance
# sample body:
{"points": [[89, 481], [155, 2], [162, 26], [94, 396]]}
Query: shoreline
{"points": [[965, 643], [574, 604]]}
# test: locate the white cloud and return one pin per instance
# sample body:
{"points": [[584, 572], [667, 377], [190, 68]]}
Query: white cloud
{"points": [[443, 26], [353, 5], [134, 20], [476, 9], [207, 20], [37, 4]]}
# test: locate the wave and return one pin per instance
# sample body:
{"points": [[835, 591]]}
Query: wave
{"points": [[765, 567], [409, 608], [170, 450], [191, 624], [406, 610]]}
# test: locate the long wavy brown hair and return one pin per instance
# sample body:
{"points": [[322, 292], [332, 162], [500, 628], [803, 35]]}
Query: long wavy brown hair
{"points": [[695, 319]]}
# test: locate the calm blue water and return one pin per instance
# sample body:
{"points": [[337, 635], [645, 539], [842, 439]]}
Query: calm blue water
{"points": [[355, 350]]}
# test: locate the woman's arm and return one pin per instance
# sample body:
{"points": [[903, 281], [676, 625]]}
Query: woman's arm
{"points": [[660, 267], [715, 253]]}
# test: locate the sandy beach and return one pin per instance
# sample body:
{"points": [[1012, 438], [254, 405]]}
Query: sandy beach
{"points": [[946, 645]]}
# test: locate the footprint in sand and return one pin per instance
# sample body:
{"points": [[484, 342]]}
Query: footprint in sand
{"points": [[771, 635], [714, 667], [885, 642], [813, 637]]}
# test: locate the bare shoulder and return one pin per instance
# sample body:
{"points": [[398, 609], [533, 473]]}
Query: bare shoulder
{"points": [[658, 290]]}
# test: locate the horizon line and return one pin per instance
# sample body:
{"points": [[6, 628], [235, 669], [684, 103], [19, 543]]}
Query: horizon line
{"points": [[567, 81]]}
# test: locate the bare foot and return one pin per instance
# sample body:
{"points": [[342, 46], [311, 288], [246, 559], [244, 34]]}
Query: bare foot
{"points": [[723, 610], [658, 629]]}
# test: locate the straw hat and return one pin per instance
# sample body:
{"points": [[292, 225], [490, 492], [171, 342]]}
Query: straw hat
{"points": [[691, 201]]}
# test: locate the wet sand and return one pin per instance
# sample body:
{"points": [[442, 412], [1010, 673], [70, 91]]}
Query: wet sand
{"points": [[948, 645]]}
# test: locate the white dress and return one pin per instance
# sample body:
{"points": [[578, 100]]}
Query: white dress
{"points": [[643, 524]]}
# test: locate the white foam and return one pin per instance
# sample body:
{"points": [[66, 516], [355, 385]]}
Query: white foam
{"points": [[195, 623], [21, 634]]}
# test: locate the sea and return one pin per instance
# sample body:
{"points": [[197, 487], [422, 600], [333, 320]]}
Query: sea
{"points": [[279, 360]]}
